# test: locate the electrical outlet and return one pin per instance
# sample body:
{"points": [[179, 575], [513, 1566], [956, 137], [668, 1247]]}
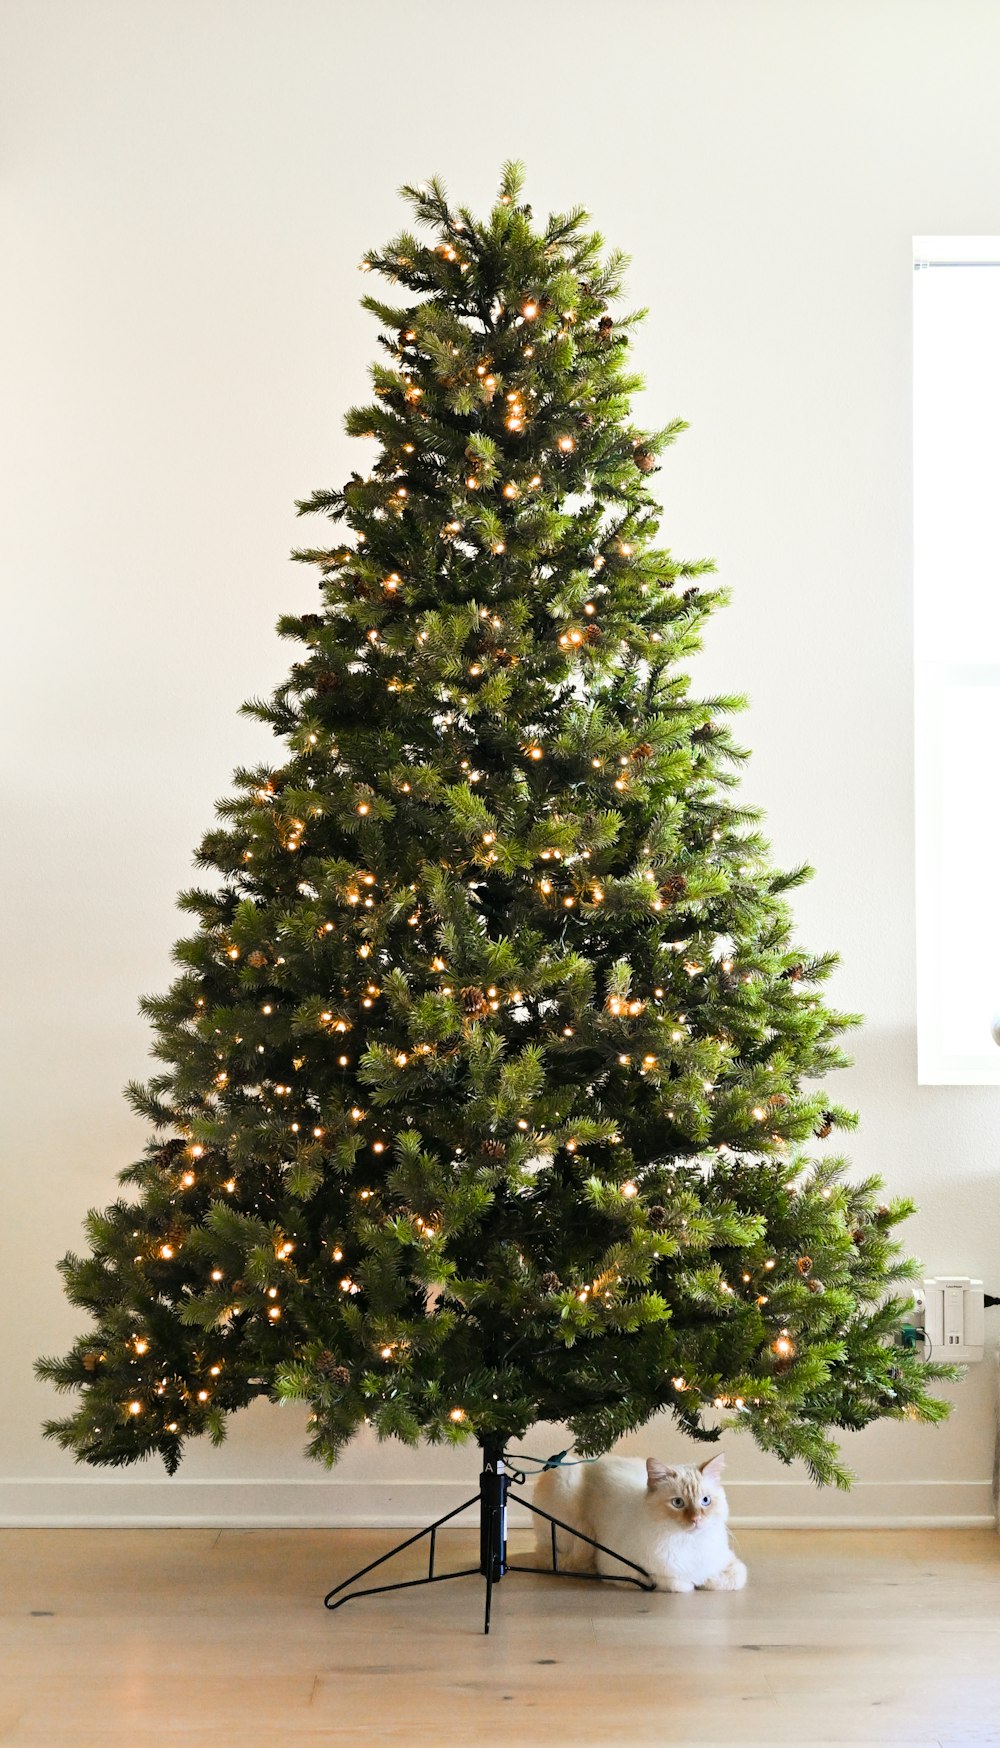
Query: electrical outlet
{"points": [[954, 1318]]}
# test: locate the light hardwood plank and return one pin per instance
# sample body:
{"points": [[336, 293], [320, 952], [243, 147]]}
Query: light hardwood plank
{"points": [[182, 1638]]}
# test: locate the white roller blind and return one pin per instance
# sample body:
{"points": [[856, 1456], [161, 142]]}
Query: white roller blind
{"points": [[956, 336]]}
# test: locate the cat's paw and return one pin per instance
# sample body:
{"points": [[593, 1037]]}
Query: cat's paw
{"points": [[732, 1577], [674, 1584]]}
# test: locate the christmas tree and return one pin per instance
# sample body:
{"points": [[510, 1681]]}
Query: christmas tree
{"points": [[488, 1075]]}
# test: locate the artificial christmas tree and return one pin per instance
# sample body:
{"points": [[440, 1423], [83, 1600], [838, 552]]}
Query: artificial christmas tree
{"points": [[487, 1090]]}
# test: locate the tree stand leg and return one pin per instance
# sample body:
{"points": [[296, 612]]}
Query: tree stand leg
{"points": [[496, 1486]]}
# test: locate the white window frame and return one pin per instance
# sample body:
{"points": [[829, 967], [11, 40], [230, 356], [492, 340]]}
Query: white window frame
{"points": [[950, 695]]}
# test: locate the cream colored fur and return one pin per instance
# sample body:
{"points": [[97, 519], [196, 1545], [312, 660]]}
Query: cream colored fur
{"points": [[670, 1521]]}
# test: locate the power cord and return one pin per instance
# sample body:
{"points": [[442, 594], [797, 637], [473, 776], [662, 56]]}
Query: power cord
{"points": [[561, 1460]]}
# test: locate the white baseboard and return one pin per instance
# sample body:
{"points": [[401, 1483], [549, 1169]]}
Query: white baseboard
{"points": [[328, 1502]]}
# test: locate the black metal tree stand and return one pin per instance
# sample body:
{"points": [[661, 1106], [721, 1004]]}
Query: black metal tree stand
{"points": [[497, 1482]]}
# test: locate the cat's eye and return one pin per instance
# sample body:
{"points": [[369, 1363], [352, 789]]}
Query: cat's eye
{"points": [[677, 1503], [706, 1499]]}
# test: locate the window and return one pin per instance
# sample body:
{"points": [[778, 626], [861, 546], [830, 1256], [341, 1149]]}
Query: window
{"points": [[956, 338]]}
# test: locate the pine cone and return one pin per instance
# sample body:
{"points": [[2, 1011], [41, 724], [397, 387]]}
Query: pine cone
{"points": [[328, 1366], [657, 1216], [91, 1360], [804, 1265], [604, 327], [257, 958], [312, 621], [673, 888], [474, 1001], [325, 681], [169, 1151], [644, 460], [493, 1149], [643, 751], [816, 1286], [826, 1125], [550, 1282]]}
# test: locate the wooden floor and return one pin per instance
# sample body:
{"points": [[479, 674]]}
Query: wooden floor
{"points": [[213, 1639]]}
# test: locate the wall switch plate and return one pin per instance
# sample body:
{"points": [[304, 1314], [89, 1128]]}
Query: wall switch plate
{"points": [[954, 1318]]}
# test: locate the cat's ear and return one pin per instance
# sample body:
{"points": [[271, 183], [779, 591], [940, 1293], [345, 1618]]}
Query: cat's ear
{"points": [[656, 1472], [714, 1467]]}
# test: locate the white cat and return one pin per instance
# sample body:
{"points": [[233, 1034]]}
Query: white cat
{"points": [[671, 1521]]}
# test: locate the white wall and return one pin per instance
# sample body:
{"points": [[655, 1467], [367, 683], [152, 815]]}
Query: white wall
{"points": [[186, 190]]}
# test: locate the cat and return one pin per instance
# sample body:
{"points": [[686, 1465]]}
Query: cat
{"points": [[669, 1520]]}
